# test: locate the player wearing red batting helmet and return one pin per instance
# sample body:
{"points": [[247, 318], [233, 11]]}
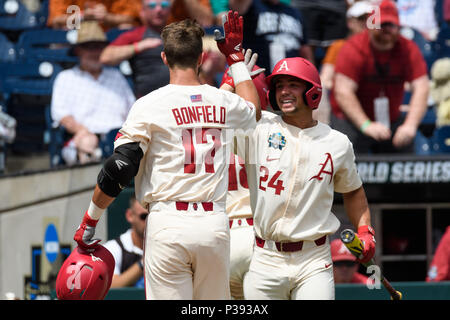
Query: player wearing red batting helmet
{"points": [[301, 69], [85, 275], [294, 166]]}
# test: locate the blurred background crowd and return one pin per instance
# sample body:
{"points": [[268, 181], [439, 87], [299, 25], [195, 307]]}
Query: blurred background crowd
{"points": [[70, 70]]}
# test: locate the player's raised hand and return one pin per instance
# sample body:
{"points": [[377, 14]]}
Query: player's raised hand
{"points": [[85, 233], [250, 59], [230, 44]]}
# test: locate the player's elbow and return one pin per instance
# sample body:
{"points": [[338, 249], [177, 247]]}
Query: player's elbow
{"points": [[119, 169]]}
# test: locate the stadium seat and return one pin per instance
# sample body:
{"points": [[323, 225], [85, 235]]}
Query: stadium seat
{"points": [[7, 49], [426, 47], [441, 140], [112, 34], [14, 16], [46, 45], [422, 144], [443, 43], [27, 90]]}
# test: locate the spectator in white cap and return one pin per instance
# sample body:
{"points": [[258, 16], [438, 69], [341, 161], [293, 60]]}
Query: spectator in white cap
{"points": [[357, 15]]}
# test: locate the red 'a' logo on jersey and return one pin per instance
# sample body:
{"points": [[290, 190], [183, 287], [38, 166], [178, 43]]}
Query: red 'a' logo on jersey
{"points": [[325, 169]]}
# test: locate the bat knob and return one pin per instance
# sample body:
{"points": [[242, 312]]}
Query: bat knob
{"points": [[347, 236], [398, 297]]}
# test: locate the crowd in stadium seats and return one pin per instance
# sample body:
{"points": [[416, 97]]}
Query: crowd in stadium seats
{"points": [[37, 36]]}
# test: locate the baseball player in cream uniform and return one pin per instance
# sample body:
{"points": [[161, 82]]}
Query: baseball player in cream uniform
{"points": [[294, 166], [238, 207], [176, 143], [242, 236]]}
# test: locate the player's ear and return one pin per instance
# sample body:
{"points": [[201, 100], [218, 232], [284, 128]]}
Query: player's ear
{"points": [[164, 58], [202, 58], [129, 215]]}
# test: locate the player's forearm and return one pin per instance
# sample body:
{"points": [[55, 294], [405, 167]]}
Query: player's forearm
{"points": [[357, 208], [101, 199], [113, 55], [247, 91], [418, 102]]}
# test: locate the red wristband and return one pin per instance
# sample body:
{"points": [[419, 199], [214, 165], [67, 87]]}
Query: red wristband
{"points": [[135, 47], [88, 220], [366, 229]]}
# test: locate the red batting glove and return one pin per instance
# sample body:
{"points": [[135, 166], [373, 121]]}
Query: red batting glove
{"points": [[85, 233], [367, 236], [231, 43]]}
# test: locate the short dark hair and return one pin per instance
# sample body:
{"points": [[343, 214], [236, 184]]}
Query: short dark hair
{"points": [[183, 43]]}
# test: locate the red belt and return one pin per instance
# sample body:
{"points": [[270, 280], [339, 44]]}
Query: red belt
{"points": [[249, 221], [183, 206], [289, 246]]}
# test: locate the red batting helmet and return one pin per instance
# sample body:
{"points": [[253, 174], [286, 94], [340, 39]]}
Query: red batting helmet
{"points": [[85, 275], [302, 69], [260, 84]]}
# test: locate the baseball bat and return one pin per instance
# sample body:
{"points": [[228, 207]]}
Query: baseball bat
{"points": [[354, 244]]}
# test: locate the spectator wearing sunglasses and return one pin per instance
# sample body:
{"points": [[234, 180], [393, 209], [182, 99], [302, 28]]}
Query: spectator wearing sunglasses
{"points": [[127, 249], [142, 47], [345, 267]]}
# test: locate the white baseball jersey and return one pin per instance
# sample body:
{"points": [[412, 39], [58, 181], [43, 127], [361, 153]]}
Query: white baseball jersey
{"points": [[293, 174], [238, 196], [185, 134]]}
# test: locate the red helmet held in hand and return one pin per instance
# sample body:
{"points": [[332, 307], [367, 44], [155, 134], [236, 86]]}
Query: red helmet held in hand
{"points": [[85, 275], [302, 69]]}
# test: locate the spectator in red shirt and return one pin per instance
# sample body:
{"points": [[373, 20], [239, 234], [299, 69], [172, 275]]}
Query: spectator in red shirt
{"points": [[371, 70], [446, 9], [345, 267], [440, 265], [142, 46]]}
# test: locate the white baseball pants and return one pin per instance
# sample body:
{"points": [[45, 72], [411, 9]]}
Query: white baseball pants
{"points": [[302, 275], [187, 256], [242, 237]]}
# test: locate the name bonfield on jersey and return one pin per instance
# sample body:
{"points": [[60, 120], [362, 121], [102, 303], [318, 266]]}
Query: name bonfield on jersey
{"points": [[434, 171], [199, 114]]}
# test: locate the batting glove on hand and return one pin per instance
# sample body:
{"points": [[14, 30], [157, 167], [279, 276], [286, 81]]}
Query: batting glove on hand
{"points": [[250, 62], [85, 233], [230, 44], [367, 236]]}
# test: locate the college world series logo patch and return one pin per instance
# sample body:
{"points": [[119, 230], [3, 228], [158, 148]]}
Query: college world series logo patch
{"points": [[277, 141]]}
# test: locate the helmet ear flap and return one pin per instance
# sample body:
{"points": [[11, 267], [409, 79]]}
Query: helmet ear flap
{"points": [[312, 97], [272, 100]]}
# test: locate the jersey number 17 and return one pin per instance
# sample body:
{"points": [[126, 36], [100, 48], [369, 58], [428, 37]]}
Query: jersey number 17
{"points": [[200, 136]]}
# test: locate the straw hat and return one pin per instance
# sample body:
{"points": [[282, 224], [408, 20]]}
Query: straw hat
{"points": [[89, 32]]}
